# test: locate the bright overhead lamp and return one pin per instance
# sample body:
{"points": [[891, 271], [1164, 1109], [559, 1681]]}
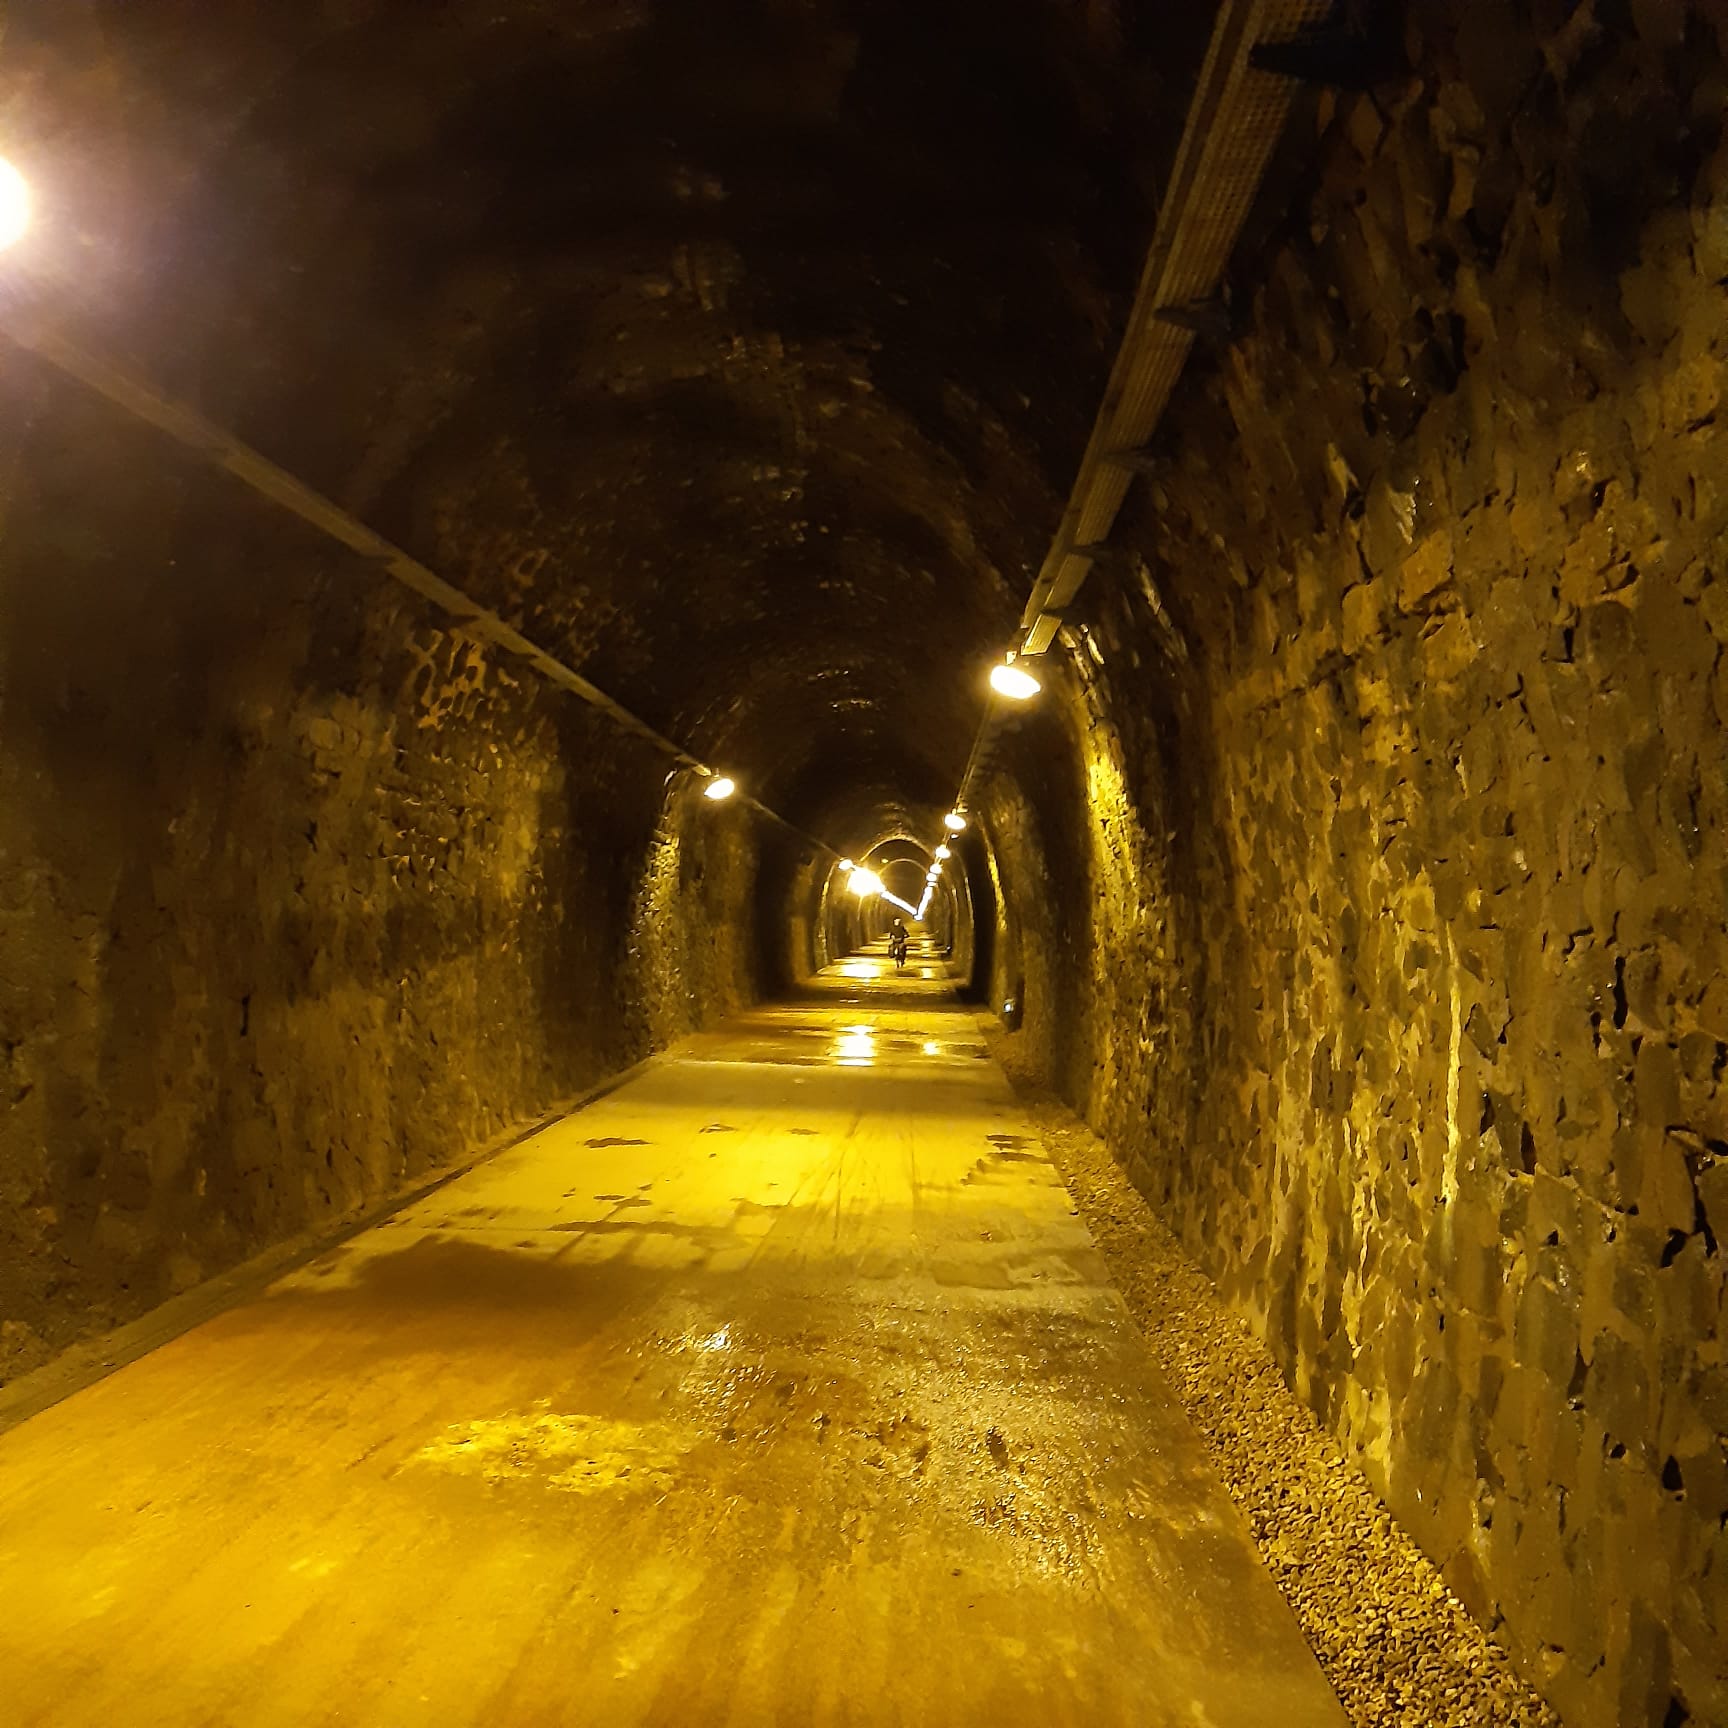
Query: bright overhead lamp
{"points": [[1014, 682], [14, 205], [719, 787], [953, 821], [944, 852], [846, 866], [864, 883]]}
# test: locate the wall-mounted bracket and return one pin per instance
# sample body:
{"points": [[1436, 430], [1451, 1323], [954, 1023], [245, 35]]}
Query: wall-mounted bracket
{"points": [[1042, 633], [1141, 461], [1208, 317], [1338, 54]]}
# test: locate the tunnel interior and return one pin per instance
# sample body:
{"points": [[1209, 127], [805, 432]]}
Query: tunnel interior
{"points": [[1359, 874]]}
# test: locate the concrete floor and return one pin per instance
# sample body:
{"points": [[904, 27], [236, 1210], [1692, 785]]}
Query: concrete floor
{"points": [[782, 1385]]}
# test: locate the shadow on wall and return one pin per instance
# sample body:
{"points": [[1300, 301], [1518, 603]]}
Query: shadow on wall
{"points": [[1368, 862], [1058, 950], [982, 911]]}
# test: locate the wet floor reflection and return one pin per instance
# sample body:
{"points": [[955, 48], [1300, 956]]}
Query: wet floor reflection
{"points": [[782, 1384], [856, 1047]]}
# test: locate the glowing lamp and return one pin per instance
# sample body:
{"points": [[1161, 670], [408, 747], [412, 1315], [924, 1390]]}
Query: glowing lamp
{"points": [[1014, 682], [719, 787], [944, 852], [953, 821], [864, 883], [14, 205]]}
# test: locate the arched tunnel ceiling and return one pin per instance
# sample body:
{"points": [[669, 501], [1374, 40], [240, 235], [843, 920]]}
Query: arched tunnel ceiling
{"points": [[741, 353]]}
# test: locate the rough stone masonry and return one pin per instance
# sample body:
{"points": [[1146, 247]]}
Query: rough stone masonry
{"points": [[1374, 875]]}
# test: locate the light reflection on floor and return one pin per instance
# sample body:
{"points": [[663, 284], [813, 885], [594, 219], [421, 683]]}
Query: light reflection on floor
{"points": [[856, 1047], [748, 1393]]}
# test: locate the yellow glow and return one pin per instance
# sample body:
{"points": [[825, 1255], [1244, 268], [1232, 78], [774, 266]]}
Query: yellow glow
{"points": [[857, 969], [932, 1049], [865, 883], [857, 1048], [719, 787], [14, 205], [1014, 682], [953, 821], [944, 852], [847, 866]]}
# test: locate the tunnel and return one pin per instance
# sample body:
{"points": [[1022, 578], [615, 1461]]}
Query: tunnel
{"points": [[539, 538]]}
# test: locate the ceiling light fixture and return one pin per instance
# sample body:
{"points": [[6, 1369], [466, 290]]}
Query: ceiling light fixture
{"points": [[1014, 682], [14, 205], [719, 787]]}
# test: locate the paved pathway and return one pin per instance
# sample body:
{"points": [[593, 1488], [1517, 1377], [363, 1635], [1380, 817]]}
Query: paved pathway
{"points": [[781, 1386]]}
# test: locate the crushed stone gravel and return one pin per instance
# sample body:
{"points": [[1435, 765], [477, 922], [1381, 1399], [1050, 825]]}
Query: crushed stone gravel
{"points": [[1400, 1650]]}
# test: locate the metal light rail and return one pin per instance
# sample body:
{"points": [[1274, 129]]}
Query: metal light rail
{"points": [[220, 449], [1233, 125], [1232, 128]]}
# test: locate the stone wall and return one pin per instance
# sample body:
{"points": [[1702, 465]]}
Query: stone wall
{"points": [[1386, 944], [300, 894]]}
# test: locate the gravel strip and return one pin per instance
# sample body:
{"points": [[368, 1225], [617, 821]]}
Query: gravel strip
{"points": [[1398, 1647]]}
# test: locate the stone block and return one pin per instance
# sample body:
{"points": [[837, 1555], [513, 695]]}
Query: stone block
{"points": [[1427, 569], [1618, 1390], [1449, 648], [1546, 1332], [1362, 620], [1712, 1191], [1657, 1073]]}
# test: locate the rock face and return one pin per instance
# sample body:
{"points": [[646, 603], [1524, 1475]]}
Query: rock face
{"points": [[1371, 866]]}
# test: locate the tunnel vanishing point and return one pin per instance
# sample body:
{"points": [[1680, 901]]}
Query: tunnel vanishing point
{"points": [[488, 1233]]}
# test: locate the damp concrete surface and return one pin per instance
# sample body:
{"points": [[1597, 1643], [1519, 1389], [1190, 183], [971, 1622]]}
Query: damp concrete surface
{"points": [[782, 1385]]}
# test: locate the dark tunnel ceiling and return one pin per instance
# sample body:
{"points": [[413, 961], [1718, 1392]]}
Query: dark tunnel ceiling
{"points": [[742, 354]]}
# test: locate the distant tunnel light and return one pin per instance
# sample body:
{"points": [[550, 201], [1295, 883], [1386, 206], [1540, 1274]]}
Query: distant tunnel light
{"points": [[14, 205], [953, 821], [865, 883], [719, 787], [1014, 682], [944, 852]]}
